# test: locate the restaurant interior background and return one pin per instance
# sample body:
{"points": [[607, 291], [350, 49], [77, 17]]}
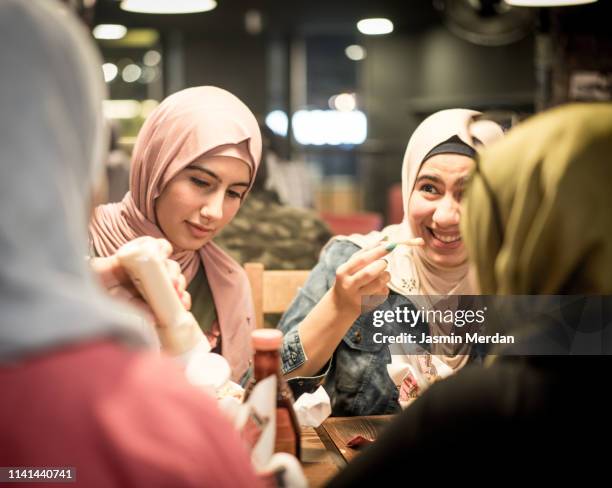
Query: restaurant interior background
{"points": [[342, 103]]}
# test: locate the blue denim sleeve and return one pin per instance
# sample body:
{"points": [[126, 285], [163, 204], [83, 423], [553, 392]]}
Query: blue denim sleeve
{"points": [[319, 281]]}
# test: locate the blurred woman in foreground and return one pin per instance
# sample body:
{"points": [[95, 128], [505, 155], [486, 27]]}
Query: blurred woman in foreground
{"points": [[79, 387]]}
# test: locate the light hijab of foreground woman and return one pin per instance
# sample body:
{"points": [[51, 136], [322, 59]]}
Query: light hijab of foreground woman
{"points": [[52, 146], [79, 388], [187, 126]]}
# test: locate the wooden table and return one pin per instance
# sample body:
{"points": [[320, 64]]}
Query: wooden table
{"points": [[317, 462], [335, 432], [324, 449]]}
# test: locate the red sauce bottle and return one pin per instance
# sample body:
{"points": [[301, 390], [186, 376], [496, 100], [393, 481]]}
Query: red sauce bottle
{"points": [[267, 362]]}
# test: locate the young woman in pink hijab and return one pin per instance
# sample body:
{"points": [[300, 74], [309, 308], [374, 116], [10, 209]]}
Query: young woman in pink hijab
{"points": [[328, 338], [193, 164]]}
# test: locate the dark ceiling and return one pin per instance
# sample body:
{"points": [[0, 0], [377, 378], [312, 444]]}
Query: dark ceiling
{"points": [[280, 16], [328, 16]]}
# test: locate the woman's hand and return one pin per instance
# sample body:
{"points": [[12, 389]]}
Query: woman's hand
{"points": [[118, 283], [363, 274]]}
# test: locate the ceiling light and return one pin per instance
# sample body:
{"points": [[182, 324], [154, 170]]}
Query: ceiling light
{"points": [[278, 122], [355, 52], [168, 6], [110, 71], [547, 3], [151, 58], [109, 31], [253, 22], [344, 102], [131, 73], [375, 27], [148, 75]]}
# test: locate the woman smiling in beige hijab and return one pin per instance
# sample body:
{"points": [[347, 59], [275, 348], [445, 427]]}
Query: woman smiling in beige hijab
{"points": [[327, 335]]}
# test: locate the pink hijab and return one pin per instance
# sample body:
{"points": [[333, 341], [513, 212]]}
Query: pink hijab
{"points": [[184, 127], [411, 272]]}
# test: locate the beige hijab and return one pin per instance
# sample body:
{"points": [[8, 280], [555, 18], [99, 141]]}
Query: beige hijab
{"points": [[185, 126], [52, 143], [411, 272]]}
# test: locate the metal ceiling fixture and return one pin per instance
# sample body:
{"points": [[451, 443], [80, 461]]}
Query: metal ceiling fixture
{"points": [[486, 22]]}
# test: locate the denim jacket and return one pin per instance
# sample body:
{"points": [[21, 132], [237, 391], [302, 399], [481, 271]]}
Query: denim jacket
{"points": [[356, 377]]}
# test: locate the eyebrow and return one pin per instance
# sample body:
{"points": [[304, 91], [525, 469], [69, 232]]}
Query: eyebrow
{"points": [[460, 181], [214, 175], [433, 178]]}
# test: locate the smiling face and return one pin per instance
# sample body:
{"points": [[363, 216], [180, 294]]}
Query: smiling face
{"points": [[434, 209], [201, 199]]}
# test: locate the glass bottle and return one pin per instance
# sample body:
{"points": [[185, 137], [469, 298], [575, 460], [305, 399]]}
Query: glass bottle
{"points": [[266, 361]]}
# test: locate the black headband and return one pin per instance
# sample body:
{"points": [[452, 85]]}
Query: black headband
{"points": [[454, 145]]}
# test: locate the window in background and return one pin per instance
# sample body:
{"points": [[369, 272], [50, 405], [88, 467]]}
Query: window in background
{"points": [[133, 67]]}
